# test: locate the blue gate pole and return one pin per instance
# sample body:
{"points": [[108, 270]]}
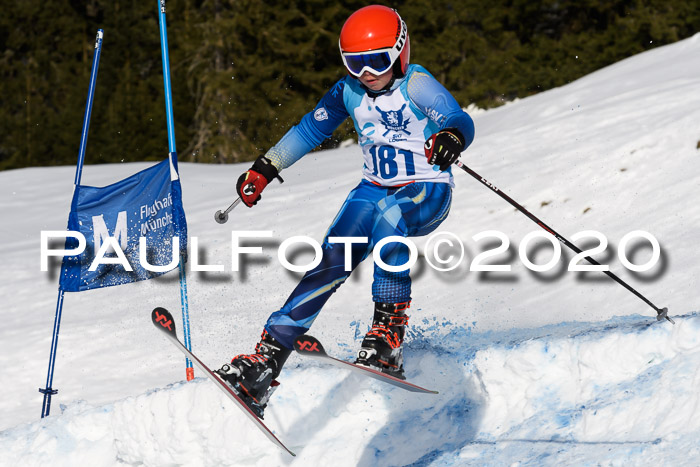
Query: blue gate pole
{"points": [[189, 371], [48, 391]]}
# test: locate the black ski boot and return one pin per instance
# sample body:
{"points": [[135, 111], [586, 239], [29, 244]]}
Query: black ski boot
{"points": [[253, 375], [382, 346]]}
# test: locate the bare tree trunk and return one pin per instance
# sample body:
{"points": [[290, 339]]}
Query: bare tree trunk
{"points": [[28, 113]]}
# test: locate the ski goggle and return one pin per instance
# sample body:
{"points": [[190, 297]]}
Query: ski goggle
{"points": [[375, 61]]}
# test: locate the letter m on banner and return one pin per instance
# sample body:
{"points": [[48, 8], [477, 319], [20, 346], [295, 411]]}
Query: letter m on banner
{"points": [[116, 220]]}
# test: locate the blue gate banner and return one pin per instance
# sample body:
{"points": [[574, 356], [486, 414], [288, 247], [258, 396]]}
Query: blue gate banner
{"points": [[147, 204]]}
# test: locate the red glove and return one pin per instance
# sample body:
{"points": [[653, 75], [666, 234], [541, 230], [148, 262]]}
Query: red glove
{"points": [[251, 184]]}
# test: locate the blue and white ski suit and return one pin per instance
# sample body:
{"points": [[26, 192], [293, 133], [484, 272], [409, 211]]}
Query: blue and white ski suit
{"points": [[401, 193]]}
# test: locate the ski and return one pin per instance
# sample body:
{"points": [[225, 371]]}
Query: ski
{"points": [[311, 347], [163, 320]]}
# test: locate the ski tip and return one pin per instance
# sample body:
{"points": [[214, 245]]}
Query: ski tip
{"points": [[308, 345], [163, 320]]}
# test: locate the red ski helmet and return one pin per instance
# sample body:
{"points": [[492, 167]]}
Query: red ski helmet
{"points": [[375, 39]]}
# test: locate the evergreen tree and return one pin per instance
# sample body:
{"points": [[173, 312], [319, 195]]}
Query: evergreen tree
{"points": [[244, 71]]}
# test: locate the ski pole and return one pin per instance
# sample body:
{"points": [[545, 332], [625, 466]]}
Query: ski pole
{"points": [[222, 217], [661, 313]]}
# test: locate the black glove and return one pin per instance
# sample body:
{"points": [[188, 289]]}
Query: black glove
{"points": [[251, 184], [444, 147]]}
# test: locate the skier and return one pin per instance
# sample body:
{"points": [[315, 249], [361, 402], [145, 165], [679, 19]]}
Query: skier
{"points": [[411, 130]]}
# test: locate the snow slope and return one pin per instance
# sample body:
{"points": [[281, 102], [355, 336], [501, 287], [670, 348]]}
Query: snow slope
{"points": [[534, 369], [570, 393]]}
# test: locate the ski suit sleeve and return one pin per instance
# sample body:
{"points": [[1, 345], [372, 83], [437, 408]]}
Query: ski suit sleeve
{"points": [[439, 105], [313, 128]]}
